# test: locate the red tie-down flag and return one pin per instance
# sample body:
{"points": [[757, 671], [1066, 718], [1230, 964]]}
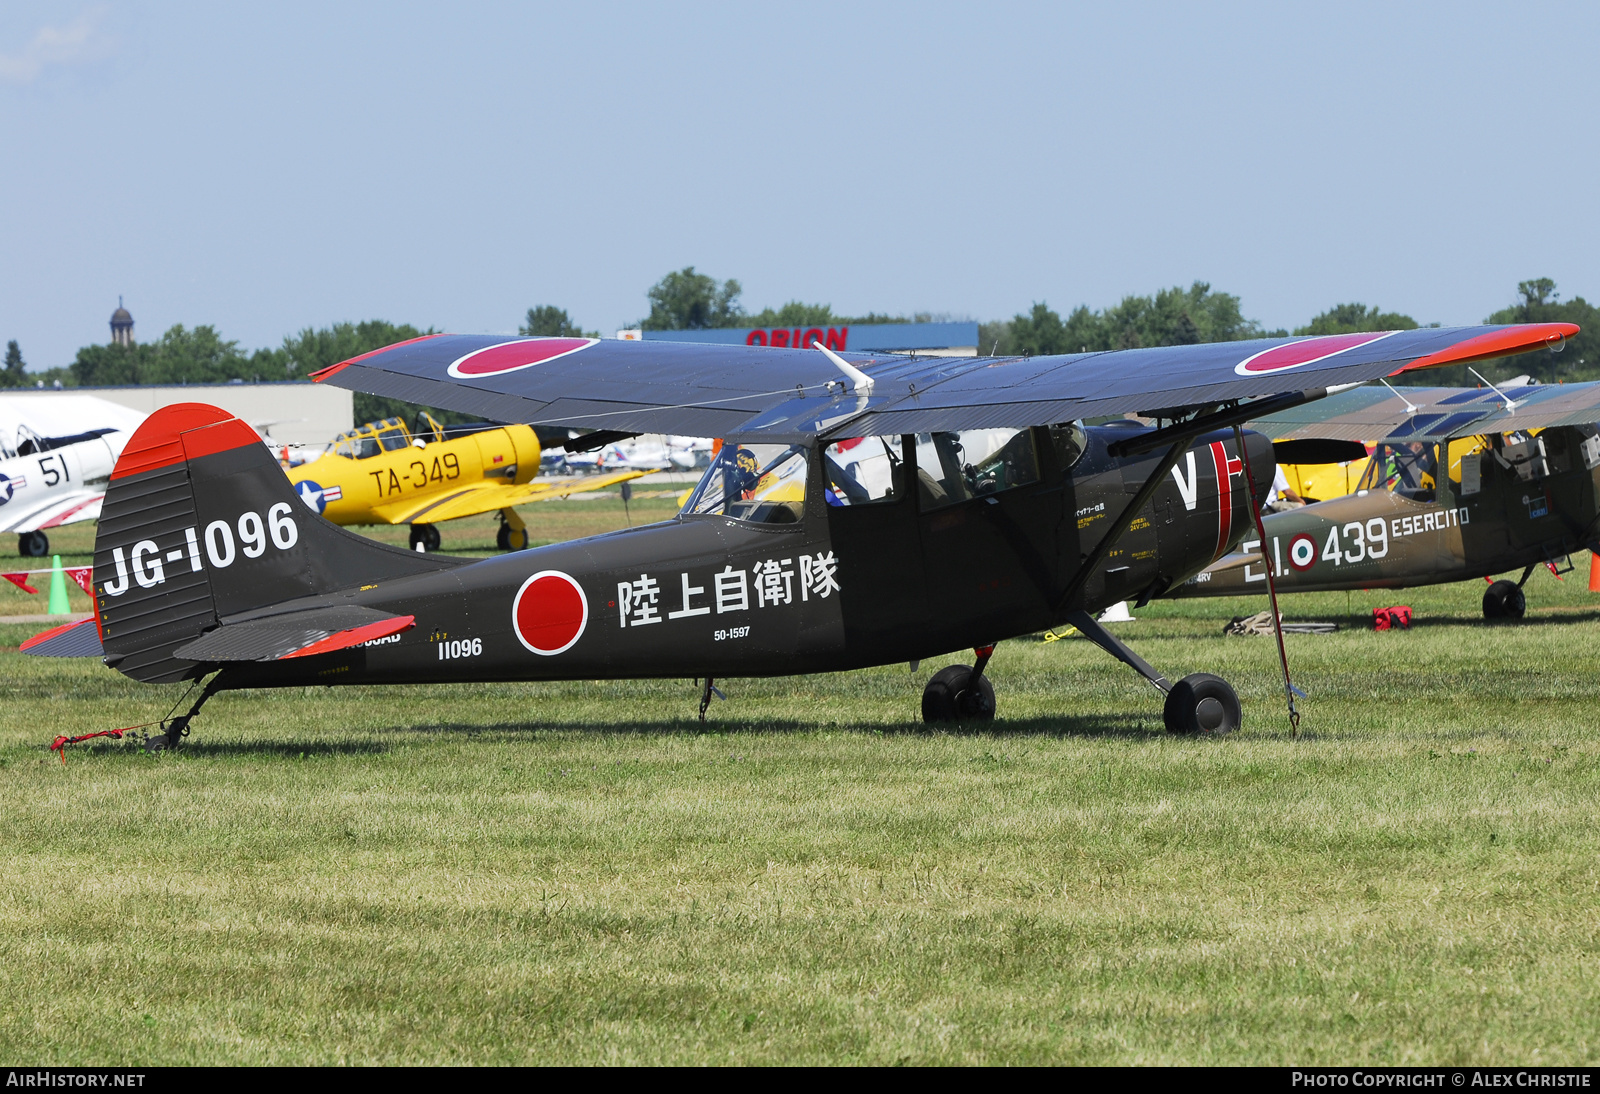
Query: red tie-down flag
{"points": [[83, 575], [20, 581]]}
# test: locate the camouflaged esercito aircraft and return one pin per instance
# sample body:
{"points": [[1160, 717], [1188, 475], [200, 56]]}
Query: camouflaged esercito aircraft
{"points": [[1520, 488]]}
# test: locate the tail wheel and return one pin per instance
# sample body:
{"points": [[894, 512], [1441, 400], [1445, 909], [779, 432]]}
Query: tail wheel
{"points": [[949, 697], [1504, 600], [511, 539], [33, 544], [1202, 703], [424, 537]]}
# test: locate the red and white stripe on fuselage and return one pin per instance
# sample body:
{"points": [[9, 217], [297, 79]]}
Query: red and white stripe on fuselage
{"points": [[1226, 467]]}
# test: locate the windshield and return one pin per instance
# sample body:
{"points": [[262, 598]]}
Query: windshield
{"points": [[1408, 469], [762, 483]]}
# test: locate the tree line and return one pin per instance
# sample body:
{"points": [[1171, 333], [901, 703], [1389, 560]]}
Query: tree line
{"points": [[688, 300]]}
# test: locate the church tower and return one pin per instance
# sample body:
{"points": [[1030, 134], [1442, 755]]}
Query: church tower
{"points": [[121, 326]]}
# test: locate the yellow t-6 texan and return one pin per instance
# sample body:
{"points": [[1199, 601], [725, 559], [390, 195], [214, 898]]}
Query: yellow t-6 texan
{"points": [[381, 473]]}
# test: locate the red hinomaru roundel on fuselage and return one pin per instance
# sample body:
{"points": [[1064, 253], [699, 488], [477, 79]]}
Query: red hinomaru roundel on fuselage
{"points": [[549, 613], [511, 356], [1295, 354]]}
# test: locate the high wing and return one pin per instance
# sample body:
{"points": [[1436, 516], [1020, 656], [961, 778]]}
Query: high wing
{"points": [[1434, 413], [486, 497], [720, 390]]}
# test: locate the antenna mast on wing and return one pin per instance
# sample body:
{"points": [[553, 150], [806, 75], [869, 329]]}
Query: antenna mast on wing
{"points": [[863, 382]]}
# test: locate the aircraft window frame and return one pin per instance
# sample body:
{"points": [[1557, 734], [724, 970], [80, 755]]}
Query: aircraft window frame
{"points": [[427, 424], [1459, 450], [372, 439], [1000, 470], [1071, 441], [391, 434], [1400, 470], [772, 472], [854, 476]]}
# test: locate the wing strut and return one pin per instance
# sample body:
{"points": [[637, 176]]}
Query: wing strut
{"points": [[1289, 690], [1511, 404], [1411, 408], [1091, 628]]}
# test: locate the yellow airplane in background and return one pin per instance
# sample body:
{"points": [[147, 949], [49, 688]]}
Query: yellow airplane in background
{"points": [[381, 473]]}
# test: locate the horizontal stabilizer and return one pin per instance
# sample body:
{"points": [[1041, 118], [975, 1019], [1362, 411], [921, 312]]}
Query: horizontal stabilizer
{"points": [[294, 634], [78, 639], [1237, 559]]}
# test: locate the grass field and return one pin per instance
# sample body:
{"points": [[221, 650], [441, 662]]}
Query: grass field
{"points": [[583, 873]]}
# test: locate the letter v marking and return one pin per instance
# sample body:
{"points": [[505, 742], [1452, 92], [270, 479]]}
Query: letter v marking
{"points": [[1189, 490]]}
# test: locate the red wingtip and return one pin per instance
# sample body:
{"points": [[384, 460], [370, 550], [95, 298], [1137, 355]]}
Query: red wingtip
{"points": [[355, 636], [1497, 343], [323, 373]]}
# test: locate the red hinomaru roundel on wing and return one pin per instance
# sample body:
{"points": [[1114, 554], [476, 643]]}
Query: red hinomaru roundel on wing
{"points": [[510, 356], [549, 613], [1305, 352]]}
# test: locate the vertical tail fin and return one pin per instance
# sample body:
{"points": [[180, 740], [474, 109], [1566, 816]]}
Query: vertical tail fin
{"points": [[200, 524]]}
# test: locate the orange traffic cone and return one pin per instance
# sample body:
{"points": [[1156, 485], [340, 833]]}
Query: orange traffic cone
{"points": [[1594, 573]]}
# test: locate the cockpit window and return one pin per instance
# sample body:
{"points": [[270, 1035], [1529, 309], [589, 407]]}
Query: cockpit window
{"points": [[1410, 470], [862, 470], [1070, 440], [394, 437], [369, 440], [953, 467], [760, 483]]}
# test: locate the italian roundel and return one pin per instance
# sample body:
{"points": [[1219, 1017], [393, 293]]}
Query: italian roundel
{"points": [[549, 613], [510, 356], [1302, 552], [1309, 351]]}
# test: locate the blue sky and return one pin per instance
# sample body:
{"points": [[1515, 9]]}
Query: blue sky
{"points": [[269, 167]]}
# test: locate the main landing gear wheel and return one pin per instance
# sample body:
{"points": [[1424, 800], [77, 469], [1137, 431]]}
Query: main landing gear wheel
{"points": [[1504, 600], [949, 697], [33, 544], [424, 537], [511, 539], [1202, 703]]}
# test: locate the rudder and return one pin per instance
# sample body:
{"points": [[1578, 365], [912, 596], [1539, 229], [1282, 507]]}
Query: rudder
{"points": [[200, 524]]}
